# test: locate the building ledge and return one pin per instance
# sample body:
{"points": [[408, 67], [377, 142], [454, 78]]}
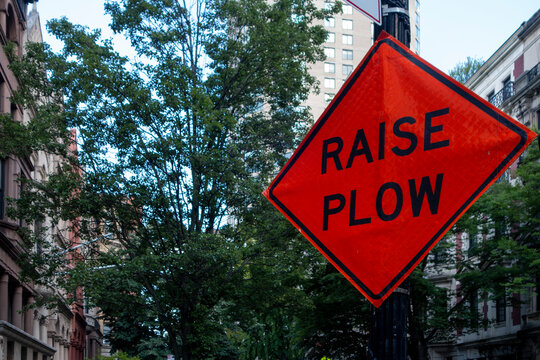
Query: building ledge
{"points": [[13, 333]]}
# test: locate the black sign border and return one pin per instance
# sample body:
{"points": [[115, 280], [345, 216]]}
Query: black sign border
{"points": [[452, 86]]}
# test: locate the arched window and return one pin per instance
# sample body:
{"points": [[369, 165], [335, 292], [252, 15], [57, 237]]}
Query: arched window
{"points": [[11, 25]]}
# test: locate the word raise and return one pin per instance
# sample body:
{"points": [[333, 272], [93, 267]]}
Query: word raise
{"points": [[426, 188]]}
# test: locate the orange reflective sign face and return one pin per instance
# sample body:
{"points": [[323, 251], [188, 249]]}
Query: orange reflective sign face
{"points": [[397, 157]]}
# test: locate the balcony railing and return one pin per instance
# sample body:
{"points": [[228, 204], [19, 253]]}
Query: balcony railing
{"points": [[532, 74], [506, 93]]}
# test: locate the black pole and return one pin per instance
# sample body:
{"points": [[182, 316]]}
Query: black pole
{"points": [[395, 20], [388, 336]]}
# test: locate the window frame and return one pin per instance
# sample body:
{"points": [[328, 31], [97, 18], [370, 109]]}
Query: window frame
{"points": [[347, 57], [349, 38], [333, 50], [331, 67]]}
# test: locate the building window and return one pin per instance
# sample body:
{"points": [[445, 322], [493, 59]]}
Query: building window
{"points": [[417, 32], [330, 52], [2, 93], [500, 309], [537, 292], [330, 22], [417, 46], [473, 302], [508, 88], [330, 83], [347, 9], [328, 97], [22, 186], [331, 38], [38, 231], [417, 6], [2, 186], [473, 242], [11, 25], [347, 69], [346, 39], [491, 96], [329, 68], [347, 24], [347, 54]]}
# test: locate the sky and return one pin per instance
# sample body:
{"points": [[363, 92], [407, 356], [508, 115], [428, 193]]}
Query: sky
{"points": [[450, 30]]}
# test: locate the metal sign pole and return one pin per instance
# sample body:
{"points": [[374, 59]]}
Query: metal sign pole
{"points": [[388, 336], [395, 20]]}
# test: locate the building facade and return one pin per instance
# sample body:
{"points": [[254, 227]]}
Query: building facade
{"points": [[31, 333], [510, 80], [350, 35], [23, 334]]}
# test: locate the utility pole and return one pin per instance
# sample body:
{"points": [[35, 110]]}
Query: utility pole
{"points": [[388, 335]]}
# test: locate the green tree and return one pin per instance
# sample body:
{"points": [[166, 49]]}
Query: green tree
{"points": [[465, 69], [174, 149]]}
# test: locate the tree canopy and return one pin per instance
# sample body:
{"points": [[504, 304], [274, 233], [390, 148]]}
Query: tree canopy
{"points": [[175, 146], [465, 69]]}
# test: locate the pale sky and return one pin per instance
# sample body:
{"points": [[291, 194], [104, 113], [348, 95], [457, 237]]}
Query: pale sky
{"points": [[450, 30]]}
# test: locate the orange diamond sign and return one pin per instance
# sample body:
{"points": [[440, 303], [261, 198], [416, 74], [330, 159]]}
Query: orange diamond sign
{"points": [[398, 156]]}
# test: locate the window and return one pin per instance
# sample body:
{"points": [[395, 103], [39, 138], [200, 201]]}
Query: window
{"points": [[38, 231], [11, 25], [473, 242], [328, 5], [329, 68], [346, 39], [347, 69], [537, 290], [22, 186], [2, 186], [2, 92], [330, 83], [473, 302], [330, 22], [347, 54], [328, 97], [331, 38], [417, 6], [347, 24], [329, 52], [417, 32], [500, 309], [508, 88], [347, 9], [417, 46], [491, 96]]}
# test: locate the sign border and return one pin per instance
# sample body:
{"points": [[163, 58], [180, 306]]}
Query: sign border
{"points": [[472, 98]]}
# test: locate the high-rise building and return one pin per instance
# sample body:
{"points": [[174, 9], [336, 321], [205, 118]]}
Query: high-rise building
{"points": [[350, 35]]}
